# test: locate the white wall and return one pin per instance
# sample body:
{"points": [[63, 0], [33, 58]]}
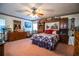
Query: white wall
{"points": [[9, 21]]}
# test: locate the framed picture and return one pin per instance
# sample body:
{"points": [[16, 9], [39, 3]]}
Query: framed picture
{"points": [[52, 26], [27, 24], [17, 25]]}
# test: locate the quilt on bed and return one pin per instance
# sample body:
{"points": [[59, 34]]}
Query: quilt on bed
{"points": [[45, 40]]}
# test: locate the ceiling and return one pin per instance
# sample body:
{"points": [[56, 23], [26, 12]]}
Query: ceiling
{"points": [[48, 9]]}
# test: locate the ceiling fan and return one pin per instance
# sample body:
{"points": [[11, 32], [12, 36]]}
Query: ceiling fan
{"points": [[34, 10]]}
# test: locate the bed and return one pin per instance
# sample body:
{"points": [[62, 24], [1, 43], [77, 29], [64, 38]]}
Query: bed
{"points": [[44, 40]]}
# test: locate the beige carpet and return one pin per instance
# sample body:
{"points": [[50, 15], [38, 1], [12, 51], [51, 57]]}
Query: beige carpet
{"points": [[65, 49], [24, 47]]}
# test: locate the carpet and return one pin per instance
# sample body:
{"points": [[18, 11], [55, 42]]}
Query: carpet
{"points": [[25, 47]]}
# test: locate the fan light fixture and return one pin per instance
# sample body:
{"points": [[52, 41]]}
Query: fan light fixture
{"points": [[34, 17]]}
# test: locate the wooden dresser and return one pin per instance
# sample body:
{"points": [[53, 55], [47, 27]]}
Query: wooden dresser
{"points": [[76, 51], [12, 36]]}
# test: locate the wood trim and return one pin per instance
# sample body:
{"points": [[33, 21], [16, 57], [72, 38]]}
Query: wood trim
{"points": [[13, 16], [62, 15], [66, 14]]}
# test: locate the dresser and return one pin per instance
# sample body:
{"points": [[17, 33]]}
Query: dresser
{"points": [[12, 36], [76, 51]]}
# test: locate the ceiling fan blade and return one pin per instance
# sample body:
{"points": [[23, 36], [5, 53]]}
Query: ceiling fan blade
{"points": [[40, 14], [47, 9]]}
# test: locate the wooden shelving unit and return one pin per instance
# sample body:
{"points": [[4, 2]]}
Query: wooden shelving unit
{"points": [[41, 27], [63, 32]]}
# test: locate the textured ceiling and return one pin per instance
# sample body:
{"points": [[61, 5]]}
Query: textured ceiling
{"points": [[48, 9]]}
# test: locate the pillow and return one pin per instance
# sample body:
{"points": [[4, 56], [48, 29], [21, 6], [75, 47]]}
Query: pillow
{"points": [[54, 32], [48, 31]]}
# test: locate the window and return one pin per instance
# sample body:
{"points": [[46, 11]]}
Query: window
{"points": [[35, 27], [2, 25]]}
